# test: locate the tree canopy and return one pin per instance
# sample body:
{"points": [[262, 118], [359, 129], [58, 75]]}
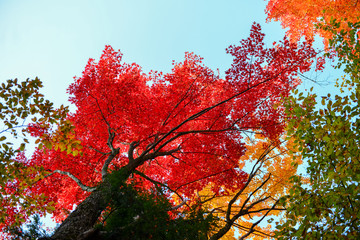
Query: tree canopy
{"points": [[328, 206], [302, 18], [328, 138], [181, 131]]}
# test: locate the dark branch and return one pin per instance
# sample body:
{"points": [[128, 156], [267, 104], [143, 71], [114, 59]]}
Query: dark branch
{"points": [[92, 148], [114, 152], [251, 230], [163, 185], [202, 112], [132, 147]]}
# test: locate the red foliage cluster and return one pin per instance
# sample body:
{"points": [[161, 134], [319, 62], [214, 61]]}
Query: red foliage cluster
{"points": [[190, 108]]}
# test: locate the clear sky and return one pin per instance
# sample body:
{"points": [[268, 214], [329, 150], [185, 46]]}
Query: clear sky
{"points": [[54, 39]]}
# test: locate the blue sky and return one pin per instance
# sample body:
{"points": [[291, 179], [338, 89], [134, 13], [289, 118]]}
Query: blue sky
{"points": [[54, 39]]}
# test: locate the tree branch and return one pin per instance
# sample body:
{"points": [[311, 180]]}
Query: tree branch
{"points": [[79, 183], [92, 148], [141, 159], [161, 184], [114, 152], [245, 210], [179, 205], [199, 179], [202, 112], [255, 231], [251, 230], [132, 147]]}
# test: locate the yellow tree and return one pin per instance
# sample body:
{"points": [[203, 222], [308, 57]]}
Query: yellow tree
{"points": [[270, 165], [301, 17]]}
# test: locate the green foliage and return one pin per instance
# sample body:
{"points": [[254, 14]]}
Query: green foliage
{"points": [[347, 47], [143, 215], [328, 138], [31, 231], [21, 104]]}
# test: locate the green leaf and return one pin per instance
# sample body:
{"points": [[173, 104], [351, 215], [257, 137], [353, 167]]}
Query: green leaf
{"points": [[48, 144], [22, 147]]}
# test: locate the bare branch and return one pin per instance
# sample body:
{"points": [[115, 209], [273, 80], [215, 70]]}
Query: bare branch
{"points": [[266, 209], [79, 183], [92, 148], [257, 189], [19, 126], [244, 210], [202, 112], [251, 176], [255, 231], [158, 183], [208, 131], [256, 202], [141, 159], [181, 100], [178, 206], [114, 152], [251, 230], [132, 147], [102, 114], [199, 179]]}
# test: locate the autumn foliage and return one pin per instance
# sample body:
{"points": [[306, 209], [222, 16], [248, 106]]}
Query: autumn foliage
{"points": [[183, 129], [300, 17], [21, 103], [272, 165], [327, 136]]}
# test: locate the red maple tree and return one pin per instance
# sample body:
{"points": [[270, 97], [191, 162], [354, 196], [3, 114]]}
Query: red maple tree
{"points": [[183, 129]]}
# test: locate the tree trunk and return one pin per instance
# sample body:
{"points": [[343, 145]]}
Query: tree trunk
{"points": [[83, 217]]}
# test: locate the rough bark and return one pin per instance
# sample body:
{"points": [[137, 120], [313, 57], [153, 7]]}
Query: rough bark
{"points": [[83, 217]]}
